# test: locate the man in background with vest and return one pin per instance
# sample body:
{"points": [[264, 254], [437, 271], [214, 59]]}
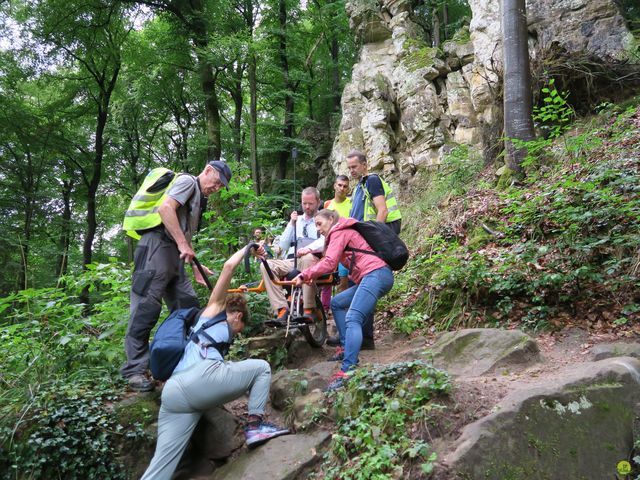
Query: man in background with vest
{"points": [[159, 260], [373, 198], [341, 203]]}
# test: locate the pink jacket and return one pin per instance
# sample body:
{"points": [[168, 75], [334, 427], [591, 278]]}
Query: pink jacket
{"points": [[341, 236]]}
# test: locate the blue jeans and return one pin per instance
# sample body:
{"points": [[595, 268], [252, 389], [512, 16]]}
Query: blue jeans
{"points": [[352, 307]]}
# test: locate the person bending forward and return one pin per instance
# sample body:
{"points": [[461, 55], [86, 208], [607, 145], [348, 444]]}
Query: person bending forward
{"points": [[203, 380], [372, 276]]}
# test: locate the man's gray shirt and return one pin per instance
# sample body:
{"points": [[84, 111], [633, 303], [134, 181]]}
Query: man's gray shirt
{"points": [[186, 192]]}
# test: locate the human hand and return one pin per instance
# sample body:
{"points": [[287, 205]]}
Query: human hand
{"points": [[294, 216], [186, 252], [297, 282], [243, 288], [302, 252], [198, 276]]}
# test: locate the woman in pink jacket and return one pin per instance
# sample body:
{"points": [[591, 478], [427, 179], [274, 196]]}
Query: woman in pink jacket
{"points": [[372, 276]]}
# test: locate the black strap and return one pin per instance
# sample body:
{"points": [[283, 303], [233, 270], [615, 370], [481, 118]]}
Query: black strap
{"points": [[359, 250], [247, 256], [203, 204], [247, 263], [222, 347], [204, 275]]}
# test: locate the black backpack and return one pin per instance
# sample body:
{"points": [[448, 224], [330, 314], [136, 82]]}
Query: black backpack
{"points": [[385, 243]]}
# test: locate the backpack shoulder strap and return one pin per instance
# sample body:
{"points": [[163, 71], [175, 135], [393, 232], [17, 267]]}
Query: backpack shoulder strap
{"points": [[360, 250]]}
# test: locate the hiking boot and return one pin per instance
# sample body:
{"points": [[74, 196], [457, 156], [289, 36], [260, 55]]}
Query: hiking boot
{"points": [[336, 381], [259, 433], [338, 356], [368, 344], [280, 320], [309, 315], [333, 341], [140, 383]]}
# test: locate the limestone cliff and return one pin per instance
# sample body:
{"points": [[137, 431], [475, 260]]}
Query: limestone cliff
{"points": [[407, 103]]}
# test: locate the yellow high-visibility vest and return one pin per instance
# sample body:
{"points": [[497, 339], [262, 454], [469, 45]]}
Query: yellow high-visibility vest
{"points": [[389, 198], [142, 213], [343, 208]]}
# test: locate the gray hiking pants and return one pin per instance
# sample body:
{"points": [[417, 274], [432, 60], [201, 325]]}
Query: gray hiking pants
{"points": [[157, 276], [188, 394]]}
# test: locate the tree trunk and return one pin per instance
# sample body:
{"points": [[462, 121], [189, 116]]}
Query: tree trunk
{"points": [[253, 122], [287, 131], [445, 21], [30, 187], [518, 122], [195, 13], [65, 230], [335, 74], [212, 111], [94, 183], [236, 94], [435, 26]]}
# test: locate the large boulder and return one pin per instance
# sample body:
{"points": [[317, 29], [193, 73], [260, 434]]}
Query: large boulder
{"points": [[286, 385], [218, 434], [282, 458], [618, 349], [578, 426], [477, 351], [308, 409]]}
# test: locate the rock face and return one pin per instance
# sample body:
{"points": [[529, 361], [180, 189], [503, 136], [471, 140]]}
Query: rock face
{"points": [[408, 103], [282, 458], [579, 426], [218, 434], [476, 351]]}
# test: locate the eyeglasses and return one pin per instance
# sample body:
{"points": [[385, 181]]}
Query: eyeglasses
{"points": [[305, 234]]}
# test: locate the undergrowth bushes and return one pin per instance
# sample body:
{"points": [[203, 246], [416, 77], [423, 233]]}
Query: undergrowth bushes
{"points": [[383, 417], [68, 430], [59, 373], [565, 242]]}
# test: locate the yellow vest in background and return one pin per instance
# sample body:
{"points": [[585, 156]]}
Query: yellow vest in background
{"points": [[390, 199], [343, 208]]}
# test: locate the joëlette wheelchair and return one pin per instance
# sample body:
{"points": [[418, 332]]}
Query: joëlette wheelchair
{"points": [[314, 329]]}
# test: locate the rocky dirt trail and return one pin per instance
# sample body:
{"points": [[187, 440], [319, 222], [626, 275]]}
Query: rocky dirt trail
{"points": [[515, 396]]}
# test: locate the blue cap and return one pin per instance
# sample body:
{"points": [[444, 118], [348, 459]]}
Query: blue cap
{"points": [[224, 171]]}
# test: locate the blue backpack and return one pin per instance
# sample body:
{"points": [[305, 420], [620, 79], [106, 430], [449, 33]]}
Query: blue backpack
{"points": [[172, 337]]}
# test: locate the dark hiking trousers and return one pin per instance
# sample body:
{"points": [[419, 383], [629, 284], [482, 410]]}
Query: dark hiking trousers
{"points": [[157, 276]]}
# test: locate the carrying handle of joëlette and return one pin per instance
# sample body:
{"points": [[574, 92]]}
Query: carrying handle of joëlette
{"points": [[247, 265], [204, 275]]}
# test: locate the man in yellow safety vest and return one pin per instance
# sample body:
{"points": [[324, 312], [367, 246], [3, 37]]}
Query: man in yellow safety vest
{"points": [[373, 198], [164, 226]]}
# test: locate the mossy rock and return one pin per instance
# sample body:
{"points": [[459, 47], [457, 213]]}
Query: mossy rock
{"points": [[420, 55], [141, 409], [478, 351], [462, 35], [577, 425], [506, 177]]}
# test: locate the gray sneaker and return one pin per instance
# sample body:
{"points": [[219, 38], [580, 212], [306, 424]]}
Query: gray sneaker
{"points": [[140, 383]]}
